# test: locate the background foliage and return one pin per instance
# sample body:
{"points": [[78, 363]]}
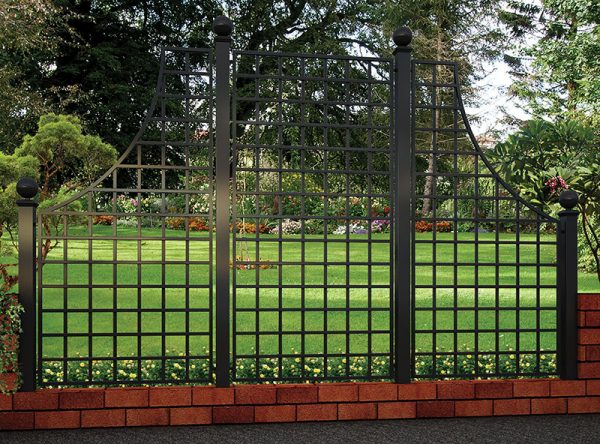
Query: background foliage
{"points": [[97, 60]]}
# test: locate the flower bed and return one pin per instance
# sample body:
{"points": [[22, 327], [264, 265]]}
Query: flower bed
{"points": [[289, 369]]}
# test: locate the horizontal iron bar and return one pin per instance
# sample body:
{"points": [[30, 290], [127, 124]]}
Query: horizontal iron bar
{"points": [[298, 263], [481, 286], [309, 194], [133, 166], [363, 81], [433, 107], [125, 310], [310, 332], [482, 220], [308, 101], [311, 124], [314, 171], [126, 262], [451, 174], [465, 308], [308, 217], [483, 241], [349, 376], [327, 240], [123, 334], [124, 286], [190, 73], [138, 214], [130, 238], [298, 55], [173, 143], [311, 355], [167, 119], [487, 264], [485, 330], [356, 286], [125, 358], [442, 130], [239, 146], [437, 85], [308, 309]]}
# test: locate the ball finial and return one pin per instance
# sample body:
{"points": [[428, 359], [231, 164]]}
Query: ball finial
{"points": [[402, 36], [568, 199], [27, 188], [222, 26]]}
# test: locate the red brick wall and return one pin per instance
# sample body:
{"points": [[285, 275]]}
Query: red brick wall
{"points": [[589, 336], [117, 407]]}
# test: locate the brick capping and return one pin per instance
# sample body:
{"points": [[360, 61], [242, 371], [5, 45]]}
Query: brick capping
{"points": [[184, 405]]}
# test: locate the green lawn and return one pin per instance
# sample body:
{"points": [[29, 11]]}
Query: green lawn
{"points": [[313, 321]]}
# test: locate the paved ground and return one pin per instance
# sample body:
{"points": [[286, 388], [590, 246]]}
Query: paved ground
{"points": [[539, 429]]}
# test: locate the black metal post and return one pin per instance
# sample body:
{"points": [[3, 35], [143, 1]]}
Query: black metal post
{"points": [[567, 286], [222, 26], [27, 189], [402, 205]]}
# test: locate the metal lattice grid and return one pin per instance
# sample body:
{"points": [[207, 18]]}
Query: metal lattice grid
{"points": [[125, 296], [311, 140], [484, 289]]}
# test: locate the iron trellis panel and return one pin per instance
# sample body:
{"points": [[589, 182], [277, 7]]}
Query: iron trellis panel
{"points": [[312, 137], [125, 282], [490, 306], [129, 298]]}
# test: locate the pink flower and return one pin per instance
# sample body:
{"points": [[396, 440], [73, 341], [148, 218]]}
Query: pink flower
{"points": [[134, 202], [556, 184]]}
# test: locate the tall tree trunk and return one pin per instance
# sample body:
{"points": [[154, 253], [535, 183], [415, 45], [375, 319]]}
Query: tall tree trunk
{"points": [[428, 191]]}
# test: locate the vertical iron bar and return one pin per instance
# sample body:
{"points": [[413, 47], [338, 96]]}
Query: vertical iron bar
{"points": [[402, 205], [567, 286], [222, 26], [27, 189]]}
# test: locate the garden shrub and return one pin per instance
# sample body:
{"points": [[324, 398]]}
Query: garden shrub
{"points": [[10, 328], [198, 224], [248, 227], [380, 225], [352, 229], [104, 220], [422, 226], [175, 223], [288, 226]]}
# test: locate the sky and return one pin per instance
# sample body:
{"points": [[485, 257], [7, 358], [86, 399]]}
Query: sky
{"points": [[494, 98], [494, 95]]}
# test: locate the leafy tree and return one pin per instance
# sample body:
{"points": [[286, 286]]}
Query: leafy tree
{"points": [[465, 32], [543, 158], [564, 74], [26, 27], [59, 145], [105, 66], [57, 151]]}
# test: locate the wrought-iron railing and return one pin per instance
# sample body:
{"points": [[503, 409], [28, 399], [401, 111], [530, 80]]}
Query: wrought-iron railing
{"points": [[226, 244]]}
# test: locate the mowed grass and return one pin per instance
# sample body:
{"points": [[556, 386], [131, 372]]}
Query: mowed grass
{"points": [[311, 319]]}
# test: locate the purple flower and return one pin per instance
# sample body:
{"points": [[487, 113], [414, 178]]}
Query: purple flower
{"points": [[379, 225]]}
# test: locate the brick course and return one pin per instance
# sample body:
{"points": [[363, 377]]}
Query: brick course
{"points": [[161, 406]]}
